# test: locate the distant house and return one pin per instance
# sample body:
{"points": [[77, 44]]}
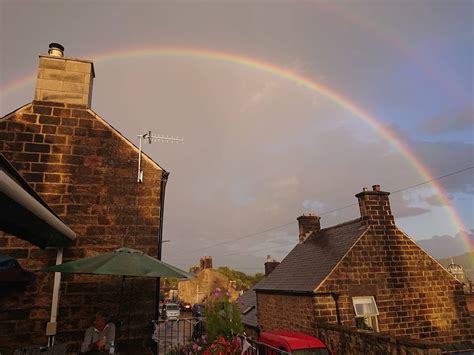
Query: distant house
{"points": [[206, 280], [86, 172], [363, 274]]}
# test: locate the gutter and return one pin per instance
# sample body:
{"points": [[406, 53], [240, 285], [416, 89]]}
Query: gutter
{"points": [[287, 292], [58, 231]]}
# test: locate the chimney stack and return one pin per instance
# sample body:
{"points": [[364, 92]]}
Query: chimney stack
{"points": [[62, 79], [208, 262], [270, 265], [374, 207], [205, 262], [307, 224]]}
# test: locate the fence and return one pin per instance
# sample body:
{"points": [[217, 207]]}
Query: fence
{"points": [[169, 334]]}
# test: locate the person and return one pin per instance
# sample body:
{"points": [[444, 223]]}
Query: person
{"points": [[164, 315], [100, 337]]}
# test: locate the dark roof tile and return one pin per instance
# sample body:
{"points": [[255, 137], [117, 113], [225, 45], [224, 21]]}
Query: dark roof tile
{"points": [[306, 266], [245, 302]]}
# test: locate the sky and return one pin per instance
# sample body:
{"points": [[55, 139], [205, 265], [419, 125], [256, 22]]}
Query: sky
{"points": [[261, 149]]}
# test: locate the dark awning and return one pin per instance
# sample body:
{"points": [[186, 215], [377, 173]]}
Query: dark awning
{"points": [[25, 215]]}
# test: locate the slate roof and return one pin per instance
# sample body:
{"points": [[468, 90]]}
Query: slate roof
{"points": [[308, 264], [248, 299]]}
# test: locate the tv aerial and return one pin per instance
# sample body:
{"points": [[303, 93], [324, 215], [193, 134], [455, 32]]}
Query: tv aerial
{"points": [[152, 138]]}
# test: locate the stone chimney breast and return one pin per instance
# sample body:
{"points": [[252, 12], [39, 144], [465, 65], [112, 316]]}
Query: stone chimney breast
{"points": [[375, 208], [308, 223], [270, 265], [205, 262], [62, 79]]}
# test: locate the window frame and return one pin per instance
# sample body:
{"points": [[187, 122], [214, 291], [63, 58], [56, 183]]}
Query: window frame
{"points": [[369, 319]]}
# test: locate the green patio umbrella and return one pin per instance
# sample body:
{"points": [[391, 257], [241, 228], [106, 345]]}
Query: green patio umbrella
{"points": [[121, 262]]}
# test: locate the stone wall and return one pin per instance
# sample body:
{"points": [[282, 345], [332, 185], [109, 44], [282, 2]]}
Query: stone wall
{"points": [[342, 340], [304, 314], [280, 312], [86, 171]]}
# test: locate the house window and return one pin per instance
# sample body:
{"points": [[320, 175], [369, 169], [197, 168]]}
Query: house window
{"points": [[366, 313]]}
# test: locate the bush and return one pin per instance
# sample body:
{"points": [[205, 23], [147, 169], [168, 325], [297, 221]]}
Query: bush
{"points": [[222, 317], [223, 325]]}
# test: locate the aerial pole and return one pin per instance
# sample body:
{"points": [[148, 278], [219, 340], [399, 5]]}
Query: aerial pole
{"points": [[152, 138], [164, 179]]}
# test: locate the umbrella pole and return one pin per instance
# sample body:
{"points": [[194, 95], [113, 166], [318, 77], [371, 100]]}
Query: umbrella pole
{"points": [[119, 321], [51, 328]]}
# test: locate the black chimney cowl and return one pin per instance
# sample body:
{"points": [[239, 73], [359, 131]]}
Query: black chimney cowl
{"points": [[56, 45]]}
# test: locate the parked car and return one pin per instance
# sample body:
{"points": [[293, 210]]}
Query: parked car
{"points": [[185, 306], [293, 343], [170, 311], [199, 310]]}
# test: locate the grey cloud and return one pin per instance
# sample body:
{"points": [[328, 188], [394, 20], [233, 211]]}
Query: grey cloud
{"points": [[449, 122], [446, 245]]}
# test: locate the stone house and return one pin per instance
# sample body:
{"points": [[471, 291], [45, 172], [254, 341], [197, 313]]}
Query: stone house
{"points": [[86, 171], [207, 280], [365, 274]]}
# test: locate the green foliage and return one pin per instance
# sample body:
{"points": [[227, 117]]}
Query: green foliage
{"points": [[222, 317], [242, 280]]}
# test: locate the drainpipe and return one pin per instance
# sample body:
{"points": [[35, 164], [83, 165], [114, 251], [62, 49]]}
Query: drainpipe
{"points": [[164, 180], [335, 297]]}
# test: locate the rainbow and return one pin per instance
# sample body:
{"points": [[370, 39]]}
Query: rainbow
{"points": [[293, 77]]}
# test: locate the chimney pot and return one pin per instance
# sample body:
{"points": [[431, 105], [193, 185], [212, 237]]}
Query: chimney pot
{"points": [[56, 50], [269, 258], [365, 189], [375, 187]]}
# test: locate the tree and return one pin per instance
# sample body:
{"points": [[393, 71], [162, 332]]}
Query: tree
{"points": [[242, 280]]}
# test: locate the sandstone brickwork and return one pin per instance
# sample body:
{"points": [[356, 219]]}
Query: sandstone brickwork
{"points": [[64, 80], [86, 171], [285, 312]]}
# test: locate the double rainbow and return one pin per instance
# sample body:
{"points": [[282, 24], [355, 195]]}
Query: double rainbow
{"points": [[291, 76]]}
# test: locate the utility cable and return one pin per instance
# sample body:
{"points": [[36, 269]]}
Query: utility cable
{"points": [[322, 214]]}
